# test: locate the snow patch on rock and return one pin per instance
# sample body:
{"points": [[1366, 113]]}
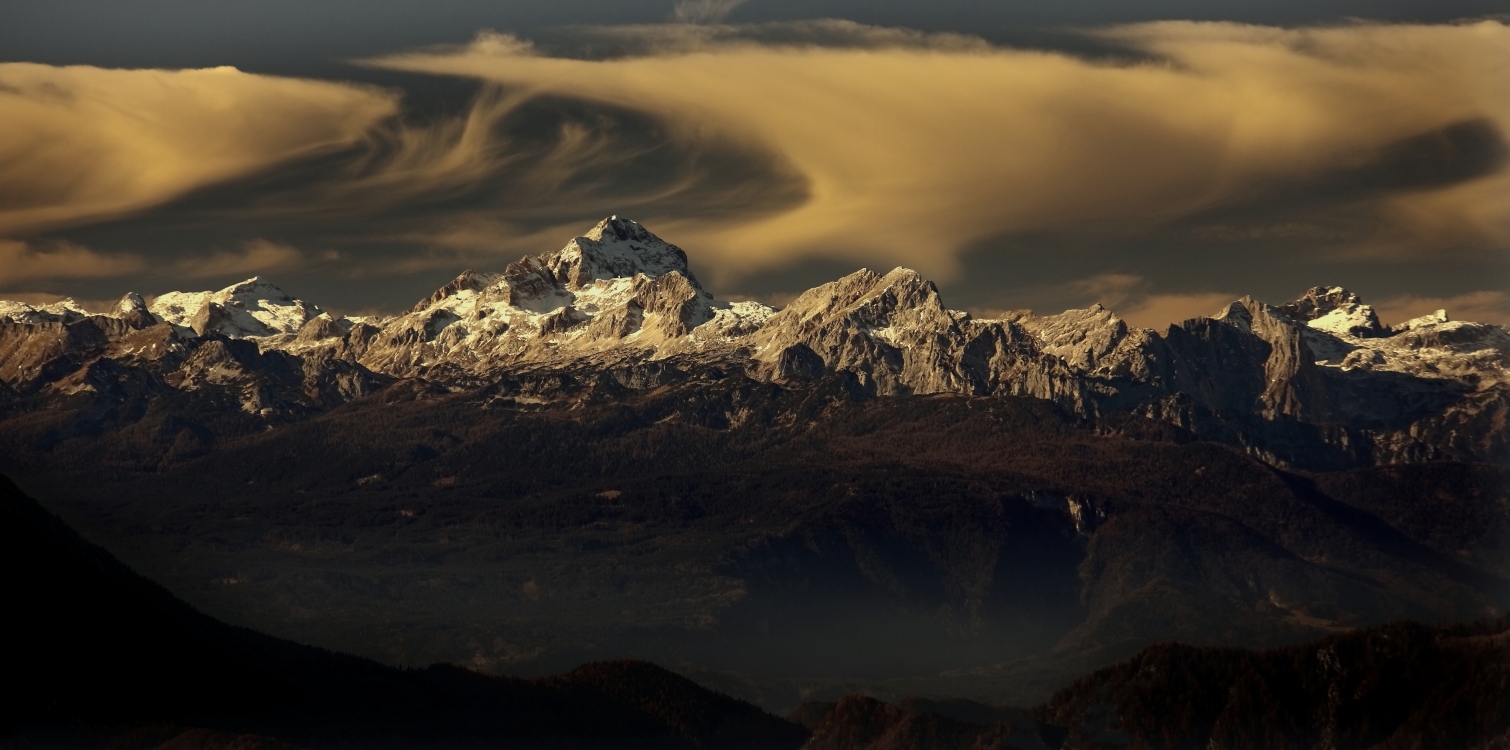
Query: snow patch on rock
{"points": [[250, 309], [65, 310]]}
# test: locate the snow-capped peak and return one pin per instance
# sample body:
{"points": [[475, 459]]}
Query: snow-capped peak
{"points": [[616, 248], [468, 281], [1238, 314], [65, 310], [1433, 319], [1335, 310], [252, 308], [131, 304]]}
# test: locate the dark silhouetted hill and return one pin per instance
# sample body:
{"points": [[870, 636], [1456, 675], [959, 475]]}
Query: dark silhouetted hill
{"points": [[1402, 685], [94, 648]]}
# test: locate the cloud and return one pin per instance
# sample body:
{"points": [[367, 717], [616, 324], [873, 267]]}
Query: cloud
{"points": [[1110, 290], [82, 143], [1130, 297], [39, 299], [911, 155], [20, 261], [1159, 310], [517, 172], [703, 11], [639, 40], [65, 261], [255, 257], [1488, 306]]}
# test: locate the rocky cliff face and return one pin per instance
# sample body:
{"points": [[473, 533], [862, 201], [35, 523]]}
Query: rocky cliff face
{"points": [[1314, 382]]}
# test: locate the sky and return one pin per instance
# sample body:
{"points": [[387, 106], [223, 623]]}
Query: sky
{"points": [[1161, 159]]}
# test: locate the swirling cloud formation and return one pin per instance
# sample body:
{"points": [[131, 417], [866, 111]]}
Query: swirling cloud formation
{"points": [[912, 153], [81, 143]]}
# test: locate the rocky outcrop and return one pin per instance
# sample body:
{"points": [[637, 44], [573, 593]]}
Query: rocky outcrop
{"points": [[1082, 338], [1336, 310], [133, 311], [253, 308], [62, 311], [894, 331]]}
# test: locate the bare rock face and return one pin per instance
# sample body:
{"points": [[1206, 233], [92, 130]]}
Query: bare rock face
{"points": [[894, 332], [1318, 372], [1082, 338], [1334, 309], [891, 328], [210, 342], [33, 355], [615, 248], [1314, 381], [272, 384], [133, 310]]}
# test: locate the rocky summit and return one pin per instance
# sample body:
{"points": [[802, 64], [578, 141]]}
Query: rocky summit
{"points": [[1317, 382]]}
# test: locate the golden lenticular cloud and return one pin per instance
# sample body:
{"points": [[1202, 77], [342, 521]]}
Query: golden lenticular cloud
{"points": [[913, 154], [80, 143]]}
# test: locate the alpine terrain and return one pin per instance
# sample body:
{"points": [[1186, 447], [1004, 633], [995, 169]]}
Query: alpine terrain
{"points": [[586, 455]]}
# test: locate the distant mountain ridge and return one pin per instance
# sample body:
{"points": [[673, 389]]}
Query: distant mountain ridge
{"points": [[1317, 382]]}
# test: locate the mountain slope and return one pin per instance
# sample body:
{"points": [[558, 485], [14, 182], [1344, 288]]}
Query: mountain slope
{"points": [[1404, 685], [785, 532], [97, 646]]}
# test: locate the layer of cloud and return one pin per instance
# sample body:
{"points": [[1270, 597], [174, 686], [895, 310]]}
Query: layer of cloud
{"points": [[61, 261], [1159, 310], [23, 262], [703, 11], [39, 299], [254, 257], [82, 143], [1131, 298], [1487, 306], [911, 155], [639, 40]]}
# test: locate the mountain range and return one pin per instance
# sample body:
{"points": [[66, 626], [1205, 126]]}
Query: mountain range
{"points": [[1314, 383], [588, 456]]}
